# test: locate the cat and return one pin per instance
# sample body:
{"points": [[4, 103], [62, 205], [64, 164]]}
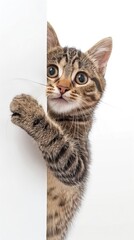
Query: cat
{"points": [[75, 85]]}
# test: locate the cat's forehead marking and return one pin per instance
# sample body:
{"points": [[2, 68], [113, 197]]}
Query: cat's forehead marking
{"points": [[69, 60], [72, 55], [63, 61]]}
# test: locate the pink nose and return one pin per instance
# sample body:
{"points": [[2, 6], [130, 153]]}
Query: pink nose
{"points": [[62, 89]]}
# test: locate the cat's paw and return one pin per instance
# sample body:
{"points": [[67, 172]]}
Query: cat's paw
{"points": [[25, 111]]}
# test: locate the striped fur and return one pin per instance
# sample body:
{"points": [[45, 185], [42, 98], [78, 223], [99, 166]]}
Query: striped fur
{"points": [[75, 86]]}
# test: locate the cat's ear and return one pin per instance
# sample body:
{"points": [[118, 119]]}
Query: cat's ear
{"points": [[52, 39], [100, 54]]}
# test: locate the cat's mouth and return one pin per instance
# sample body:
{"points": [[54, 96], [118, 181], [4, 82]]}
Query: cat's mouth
{"points": [[59, 99], [61, 104]]}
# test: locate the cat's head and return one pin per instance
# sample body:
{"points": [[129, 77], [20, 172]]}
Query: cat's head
{"points": [[75, 79]]}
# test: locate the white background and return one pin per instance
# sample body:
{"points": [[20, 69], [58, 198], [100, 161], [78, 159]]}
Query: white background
{"points": [[108, 207], [22, 169]]}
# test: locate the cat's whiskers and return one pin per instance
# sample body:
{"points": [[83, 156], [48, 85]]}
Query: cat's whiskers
{"points": [[73, 126], [107, 104], [77, 128], [90, 109], [49, 93], [29, 80], [85, 103], [83, 116]]}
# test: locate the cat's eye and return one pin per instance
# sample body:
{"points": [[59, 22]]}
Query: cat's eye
{"points": [[81, 78], [52, 71]]}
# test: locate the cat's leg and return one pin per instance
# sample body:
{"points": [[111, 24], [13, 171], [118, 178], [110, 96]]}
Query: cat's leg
{"points": [[66, 159]]}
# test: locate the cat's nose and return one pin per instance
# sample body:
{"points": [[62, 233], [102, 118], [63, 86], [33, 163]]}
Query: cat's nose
{"points": [[62, 89]]}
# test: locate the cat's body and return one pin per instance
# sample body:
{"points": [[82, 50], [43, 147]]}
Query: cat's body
{"points": [[75, 85], [65, 193]]}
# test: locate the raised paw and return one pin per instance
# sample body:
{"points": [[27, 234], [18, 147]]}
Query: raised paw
{"points": [[25, 111]]}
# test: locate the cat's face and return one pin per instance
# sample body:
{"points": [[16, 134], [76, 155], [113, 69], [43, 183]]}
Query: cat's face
{"points": [[75, 79]]}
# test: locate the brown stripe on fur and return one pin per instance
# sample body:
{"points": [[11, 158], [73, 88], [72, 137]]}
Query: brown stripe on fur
{"points": [[52, 216], [98, 85], [62, 151]]}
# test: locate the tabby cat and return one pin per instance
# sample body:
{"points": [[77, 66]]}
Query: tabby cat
{"points": [[75, 84]]}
